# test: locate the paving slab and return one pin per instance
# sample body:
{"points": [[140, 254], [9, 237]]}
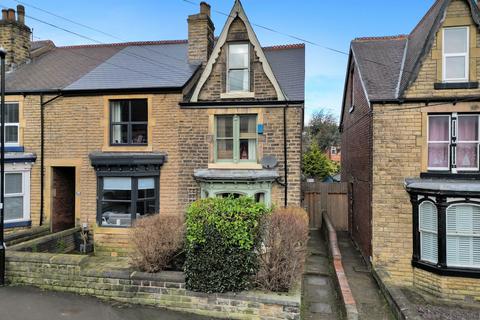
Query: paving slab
{"points": [[320, 297]]}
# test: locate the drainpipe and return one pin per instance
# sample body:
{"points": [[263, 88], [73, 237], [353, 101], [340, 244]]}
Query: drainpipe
{"points": [[42, 152], [285, 153]]}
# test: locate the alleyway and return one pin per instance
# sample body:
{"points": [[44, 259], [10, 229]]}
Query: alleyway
{"points": [[371, 304], [320, 296], [25, 303]]}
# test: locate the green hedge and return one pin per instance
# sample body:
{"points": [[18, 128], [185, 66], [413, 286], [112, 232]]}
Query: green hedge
{"points": [[222, 237]]}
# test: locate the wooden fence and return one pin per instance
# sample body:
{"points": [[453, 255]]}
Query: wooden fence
{"points": [[326, 198]]}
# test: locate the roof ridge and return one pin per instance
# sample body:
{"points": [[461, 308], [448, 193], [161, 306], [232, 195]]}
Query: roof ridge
{"points": [[380, 38], [425, 16], [125, 44], [285, 46]]}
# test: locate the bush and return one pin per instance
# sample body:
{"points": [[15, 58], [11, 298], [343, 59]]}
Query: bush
{"points": [[315, 163], [282, 259], [156, 240], [222, 238]]}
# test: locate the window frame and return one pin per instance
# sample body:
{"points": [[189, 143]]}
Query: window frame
{"points": [[449, 157], [421, 231], [128, 123], [442, 202], [133, 198], [465, 55], [228, 90], [13, 124], [236, 139], [25, 194], [453, 144]]}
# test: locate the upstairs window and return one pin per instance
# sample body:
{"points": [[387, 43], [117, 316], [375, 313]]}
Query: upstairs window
{"points": [[129, 122], [12, 124], [238, 78], [453, 142], [236, 138], [455, 54]]}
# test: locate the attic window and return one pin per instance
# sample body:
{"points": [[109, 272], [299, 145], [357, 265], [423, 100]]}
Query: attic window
{"points": [[455, 54], [238, 78]]}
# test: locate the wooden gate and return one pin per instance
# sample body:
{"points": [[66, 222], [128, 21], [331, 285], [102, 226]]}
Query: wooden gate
{"points": [[326, 198]]}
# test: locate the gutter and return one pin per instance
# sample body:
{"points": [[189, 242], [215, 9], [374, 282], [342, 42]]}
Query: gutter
{"points": [[42, 152], [428, 100], [222, 104], [285, 152]]}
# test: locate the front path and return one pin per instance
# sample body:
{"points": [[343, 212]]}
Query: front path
{"points": [[26, 303], [320, 298], [371, 304]]}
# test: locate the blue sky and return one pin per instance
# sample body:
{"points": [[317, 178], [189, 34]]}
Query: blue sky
{"points": [[331, 23]]}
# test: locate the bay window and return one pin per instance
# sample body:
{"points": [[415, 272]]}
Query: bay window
{"points": [[238, 73], [428, 231], [17, 196], [453, 142], [456, 54], [124, 199], [236, 138]]}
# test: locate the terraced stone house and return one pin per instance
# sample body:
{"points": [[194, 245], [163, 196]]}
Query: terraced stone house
{"points": [[104, 135], [410, 151]]}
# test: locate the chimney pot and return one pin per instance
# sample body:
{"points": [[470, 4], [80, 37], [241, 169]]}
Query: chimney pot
{"points": [[205, 8], [21, 14], [11, 15], [4, 14]]}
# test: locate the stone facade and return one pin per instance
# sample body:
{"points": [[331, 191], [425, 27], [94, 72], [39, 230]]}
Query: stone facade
{"points": [[399, 150], [15, 37], [77, 274], [458, 14], [216, 84]]}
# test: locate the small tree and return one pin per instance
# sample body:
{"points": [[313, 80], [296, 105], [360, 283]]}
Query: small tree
{"points": [[316, 164]]}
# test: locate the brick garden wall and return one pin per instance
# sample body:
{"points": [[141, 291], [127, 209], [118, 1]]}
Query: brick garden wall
{"points": [[70, 273]]}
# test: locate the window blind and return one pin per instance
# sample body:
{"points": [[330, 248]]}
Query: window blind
{"points": [[428, 232], [463, 236]]}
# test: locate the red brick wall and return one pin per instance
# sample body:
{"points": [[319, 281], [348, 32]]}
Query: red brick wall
{"points": [[356, 161]]}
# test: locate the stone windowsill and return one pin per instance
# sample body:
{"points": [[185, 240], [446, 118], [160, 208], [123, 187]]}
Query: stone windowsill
{"points": [[237, 95]]}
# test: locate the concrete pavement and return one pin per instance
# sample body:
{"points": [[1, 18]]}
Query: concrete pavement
{"points": [[26, 303]]}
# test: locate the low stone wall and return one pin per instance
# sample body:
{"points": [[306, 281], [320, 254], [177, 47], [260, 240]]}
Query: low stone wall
{"points": [[95, 276], [59, 242], [18, 236]]}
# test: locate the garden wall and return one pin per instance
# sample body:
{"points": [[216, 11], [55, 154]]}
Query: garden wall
{"points": [[59, 242], [89, 276]]}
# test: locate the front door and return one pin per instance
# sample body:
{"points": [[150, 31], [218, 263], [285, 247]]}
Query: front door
{"points": [[63, 198]]}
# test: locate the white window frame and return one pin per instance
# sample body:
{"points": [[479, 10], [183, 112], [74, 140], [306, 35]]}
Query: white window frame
{"points": [[459, 235], [449, 141], [25, 194], [422, 231], [228, 68], [13, 124], [472, 142], [465, 55]]}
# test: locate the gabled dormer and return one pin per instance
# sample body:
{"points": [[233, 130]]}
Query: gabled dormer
{"points": [[443, 52], [237, 68]]}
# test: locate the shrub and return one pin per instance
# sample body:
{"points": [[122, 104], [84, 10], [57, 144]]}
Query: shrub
{"points": [[285, 238], [222, 237], [156, 240]]}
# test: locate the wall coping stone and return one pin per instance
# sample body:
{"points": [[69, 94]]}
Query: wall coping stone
{"points": [[43, 239]]}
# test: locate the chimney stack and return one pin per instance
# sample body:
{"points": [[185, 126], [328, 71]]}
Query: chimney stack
{"points": [[15, 37], [201, 36]]}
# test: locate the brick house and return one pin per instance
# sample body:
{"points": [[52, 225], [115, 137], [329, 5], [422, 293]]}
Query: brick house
{"points": [[334, 153], [105, 134], [410, 139]]}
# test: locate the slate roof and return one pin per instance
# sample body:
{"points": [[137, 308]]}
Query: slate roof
{"points": [[135, 65], [388, 65]]}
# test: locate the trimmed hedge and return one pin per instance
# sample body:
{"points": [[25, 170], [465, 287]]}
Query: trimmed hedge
{"points": [[222, 237]]}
